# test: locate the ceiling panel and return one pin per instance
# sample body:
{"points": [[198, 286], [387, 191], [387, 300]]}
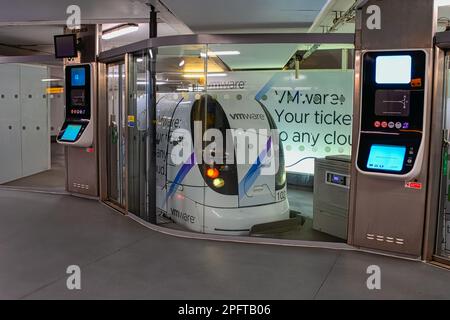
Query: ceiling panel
{"points": [[256, 56], [245, 15], [51, 10]]}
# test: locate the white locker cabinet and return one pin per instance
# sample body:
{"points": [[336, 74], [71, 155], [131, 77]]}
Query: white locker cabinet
{"points": [[24, 121], [57, 113], [35, 120], [10, 135], [11, 151]]}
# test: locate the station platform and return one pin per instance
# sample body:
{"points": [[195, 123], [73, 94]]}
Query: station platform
{"points": [[42, 234]]}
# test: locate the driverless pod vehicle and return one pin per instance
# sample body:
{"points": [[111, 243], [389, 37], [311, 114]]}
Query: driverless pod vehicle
{"points": [[216, 196]]}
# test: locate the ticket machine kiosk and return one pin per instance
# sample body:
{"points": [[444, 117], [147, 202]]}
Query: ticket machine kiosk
{"points": [[393, 108], [392, 114], [77, 130]]}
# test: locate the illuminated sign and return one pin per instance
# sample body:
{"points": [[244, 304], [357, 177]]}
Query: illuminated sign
{"points": [[55, 90]]}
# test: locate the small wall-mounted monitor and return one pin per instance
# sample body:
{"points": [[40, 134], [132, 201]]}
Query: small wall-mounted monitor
{"points": [[65, 46], [393, 69]]}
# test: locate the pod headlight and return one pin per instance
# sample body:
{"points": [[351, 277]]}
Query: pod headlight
{"points": [[218, 182]]}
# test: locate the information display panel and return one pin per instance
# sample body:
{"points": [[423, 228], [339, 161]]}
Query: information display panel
{"points": [[392, 113], [394, 69], [78, 77], [388, 158], [78, 92]]}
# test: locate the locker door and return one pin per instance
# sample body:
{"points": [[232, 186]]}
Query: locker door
{"points": [[35, 128], [10, 141], [10, 155]]}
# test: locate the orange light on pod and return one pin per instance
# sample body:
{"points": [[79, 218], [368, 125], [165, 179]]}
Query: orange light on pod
{"points": [[212, 173]]}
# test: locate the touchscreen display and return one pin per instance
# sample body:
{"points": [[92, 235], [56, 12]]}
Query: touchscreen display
{"points": [[78, 77], [71, 132], [393, 69], [386, 158]]}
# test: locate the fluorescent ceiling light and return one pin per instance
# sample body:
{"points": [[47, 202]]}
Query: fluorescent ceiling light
{"points": [[220, 53], [442, 3], [193, 76], [139, 59], [217, 74], [50, 80], [119, 30], [146, 82]]}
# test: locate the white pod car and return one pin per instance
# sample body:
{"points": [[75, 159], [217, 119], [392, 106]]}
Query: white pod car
{"points": [[217, 198]]}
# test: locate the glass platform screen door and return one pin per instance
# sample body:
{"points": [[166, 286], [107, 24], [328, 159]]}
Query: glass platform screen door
{"points": [[116, 128]]}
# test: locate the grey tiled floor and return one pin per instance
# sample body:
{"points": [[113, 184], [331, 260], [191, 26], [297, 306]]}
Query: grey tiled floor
{"points": [[51, 180], [40, 235]]}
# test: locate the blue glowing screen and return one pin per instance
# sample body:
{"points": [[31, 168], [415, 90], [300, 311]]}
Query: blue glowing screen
{"points": [[386, 158], [393, 69], [78, 77], [71, 132]]}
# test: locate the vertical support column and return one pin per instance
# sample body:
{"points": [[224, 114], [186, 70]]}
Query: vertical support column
{"points": [[89, 44], [151, 122], [435, 204], [153, 24], [384, 213], [344, 63]]}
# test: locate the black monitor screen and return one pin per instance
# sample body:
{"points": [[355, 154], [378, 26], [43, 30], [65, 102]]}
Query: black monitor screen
{"points": [[66, 46]]}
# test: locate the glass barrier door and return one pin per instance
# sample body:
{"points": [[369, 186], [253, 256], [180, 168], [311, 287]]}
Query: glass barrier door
{"points": [[443, 231], [116, 160], [137, 134]]}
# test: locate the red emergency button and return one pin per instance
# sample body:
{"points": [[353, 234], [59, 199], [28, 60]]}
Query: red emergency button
{"points": [[377, 124]]}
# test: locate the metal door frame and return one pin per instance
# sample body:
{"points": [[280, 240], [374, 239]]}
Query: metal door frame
{"points": [[103, 130], [434, 204]]}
